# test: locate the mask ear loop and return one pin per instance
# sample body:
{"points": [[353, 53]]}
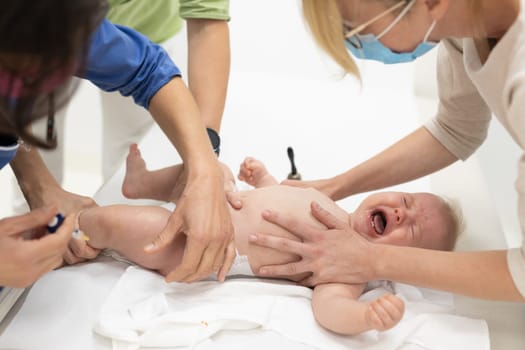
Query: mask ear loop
{"points": [[397, 19], [425, 39]]}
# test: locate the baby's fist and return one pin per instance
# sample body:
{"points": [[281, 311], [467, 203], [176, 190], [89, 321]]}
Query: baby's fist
{"points": [[385, 312]]}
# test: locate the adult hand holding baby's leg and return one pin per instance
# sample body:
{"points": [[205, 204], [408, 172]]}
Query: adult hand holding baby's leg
{"points": [[385, 312], [78, 249]]}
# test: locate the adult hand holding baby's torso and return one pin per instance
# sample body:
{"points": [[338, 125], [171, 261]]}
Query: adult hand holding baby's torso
{"points": [[290, 201]]}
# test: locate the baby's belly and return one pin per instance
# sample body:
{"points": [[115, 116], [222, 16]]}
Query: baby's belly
{"points": [[259, 256], [248, 220]]}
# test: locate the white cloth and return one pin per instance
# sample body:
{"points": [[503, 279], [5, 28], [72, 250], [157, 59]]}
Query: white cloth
{"points": [[143, 311]]}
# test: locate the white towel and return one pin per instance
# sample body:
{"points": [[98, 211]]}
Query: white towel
{"points": [[143, 311]]}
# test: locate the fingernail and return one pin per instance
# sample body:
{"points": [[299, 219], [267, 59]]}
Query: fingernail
{"points": [[149, 247], [266, 213], [262, 271], [252, 238], [238, 203], [316, 205]]}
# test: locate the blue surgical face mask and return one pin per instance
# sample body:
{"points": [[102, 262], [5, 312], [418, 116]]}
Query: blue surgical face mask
{"points": [[8, 152], [368, 46], [373, 49]]}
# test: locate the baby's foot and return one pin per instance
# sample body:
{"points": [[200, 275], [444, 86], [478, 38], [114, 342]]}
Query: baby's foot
{"points": [[254, 173], [135, 169], [385, 312]]}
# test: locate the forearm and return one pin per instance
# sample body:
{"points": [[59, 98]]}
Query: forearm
{"points": [[414, 156], [174, 109], [336, 308], [342, 315], [209, 67], [32, 175], [483, 275]]}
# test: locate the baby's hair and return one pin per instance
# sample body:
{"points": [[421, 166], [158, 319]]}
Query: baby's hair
{"points": [[457, 222]]}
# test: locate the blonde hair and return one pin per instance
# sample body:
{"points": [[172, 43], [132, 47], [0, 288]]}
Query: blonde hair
{"points": [[326, 25]]}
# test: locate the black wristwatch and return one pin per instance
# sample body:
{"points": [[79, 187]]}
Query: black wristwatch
{"points": [[215, 140]]}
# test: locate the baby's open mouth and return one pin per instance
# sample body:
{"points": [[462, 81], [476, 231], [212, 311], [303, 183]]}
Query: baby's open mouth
{"points": [[378, 219]]}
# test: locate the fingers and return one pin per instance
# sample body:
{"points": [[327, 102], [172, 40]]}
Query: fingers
{"points": [[82, 250], [47, 252], [234, 199], [23, 261], [289, 269], [207, 263], [56, 243], [219, 260], [385, 312], [79, 251], [278, 243], [246, 170], [228, 262], [191, 259], [70, 258], [17, 225], [289, 223], [166, 236], [310, 281], [325, 217]]}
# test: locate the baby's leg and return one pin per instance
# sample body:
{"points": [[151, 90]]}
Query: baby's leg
{"points": [[253, 172], [127, 229], [141, 183]]}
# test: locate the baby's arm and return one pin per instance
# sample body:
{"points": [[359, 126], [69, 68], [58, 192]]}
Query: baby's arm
{"points": [[254, 173], [336, 308], [127, 229]]}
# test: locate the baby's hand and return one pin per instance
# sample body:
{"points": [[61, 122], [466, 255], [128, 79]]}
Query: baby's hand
{"points": [[252, 171], [385, 312]]}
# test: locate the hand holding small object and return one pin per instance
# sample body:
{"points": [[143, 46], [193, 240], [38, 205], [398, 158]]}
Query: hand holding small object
{"points": [[23, 260], [58, 219]]}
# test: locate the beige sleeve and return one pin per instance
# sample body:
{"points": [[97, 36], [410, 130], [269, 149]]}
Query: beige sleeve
{"points": [[463, 116], [514, 94]]}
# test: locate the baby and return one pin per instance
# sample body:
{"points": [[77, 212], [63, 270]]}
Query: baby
{"points": [[410, 219]]}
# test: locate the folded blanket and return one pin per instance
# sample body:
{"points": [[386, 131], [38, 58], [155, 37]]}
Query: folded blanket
{"points": [[143, 311]]}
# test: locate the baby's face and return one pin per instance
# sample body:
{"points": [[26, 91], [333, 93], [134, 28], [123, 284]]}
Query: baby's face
{"points": [[405, 219]]}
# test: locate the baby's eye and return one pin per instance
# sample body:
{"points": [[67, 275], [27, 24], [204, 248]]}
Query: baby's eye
{"points": [[405, 202]]}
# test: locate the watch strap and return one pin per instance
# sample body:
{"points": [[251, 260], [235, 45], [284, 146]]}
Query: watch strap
{"points": [[215, 140]]}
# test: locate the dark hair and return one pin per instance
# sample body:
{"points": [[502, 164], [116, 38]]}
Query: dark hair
{"points": [[46, 36]]}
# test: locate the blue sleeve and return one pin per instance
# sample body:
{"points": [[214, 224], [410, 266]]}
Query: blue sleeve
{"points": [[122, 59]]}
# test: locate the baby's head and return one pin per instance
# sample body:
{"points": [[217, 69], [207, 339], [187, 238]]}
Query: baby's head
{"points": [[421, 220]]}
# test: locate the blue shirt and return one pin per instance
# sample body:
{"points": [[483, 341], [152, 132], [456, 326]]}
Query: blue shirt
{"points": [[8, 148], [121, 59]]}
